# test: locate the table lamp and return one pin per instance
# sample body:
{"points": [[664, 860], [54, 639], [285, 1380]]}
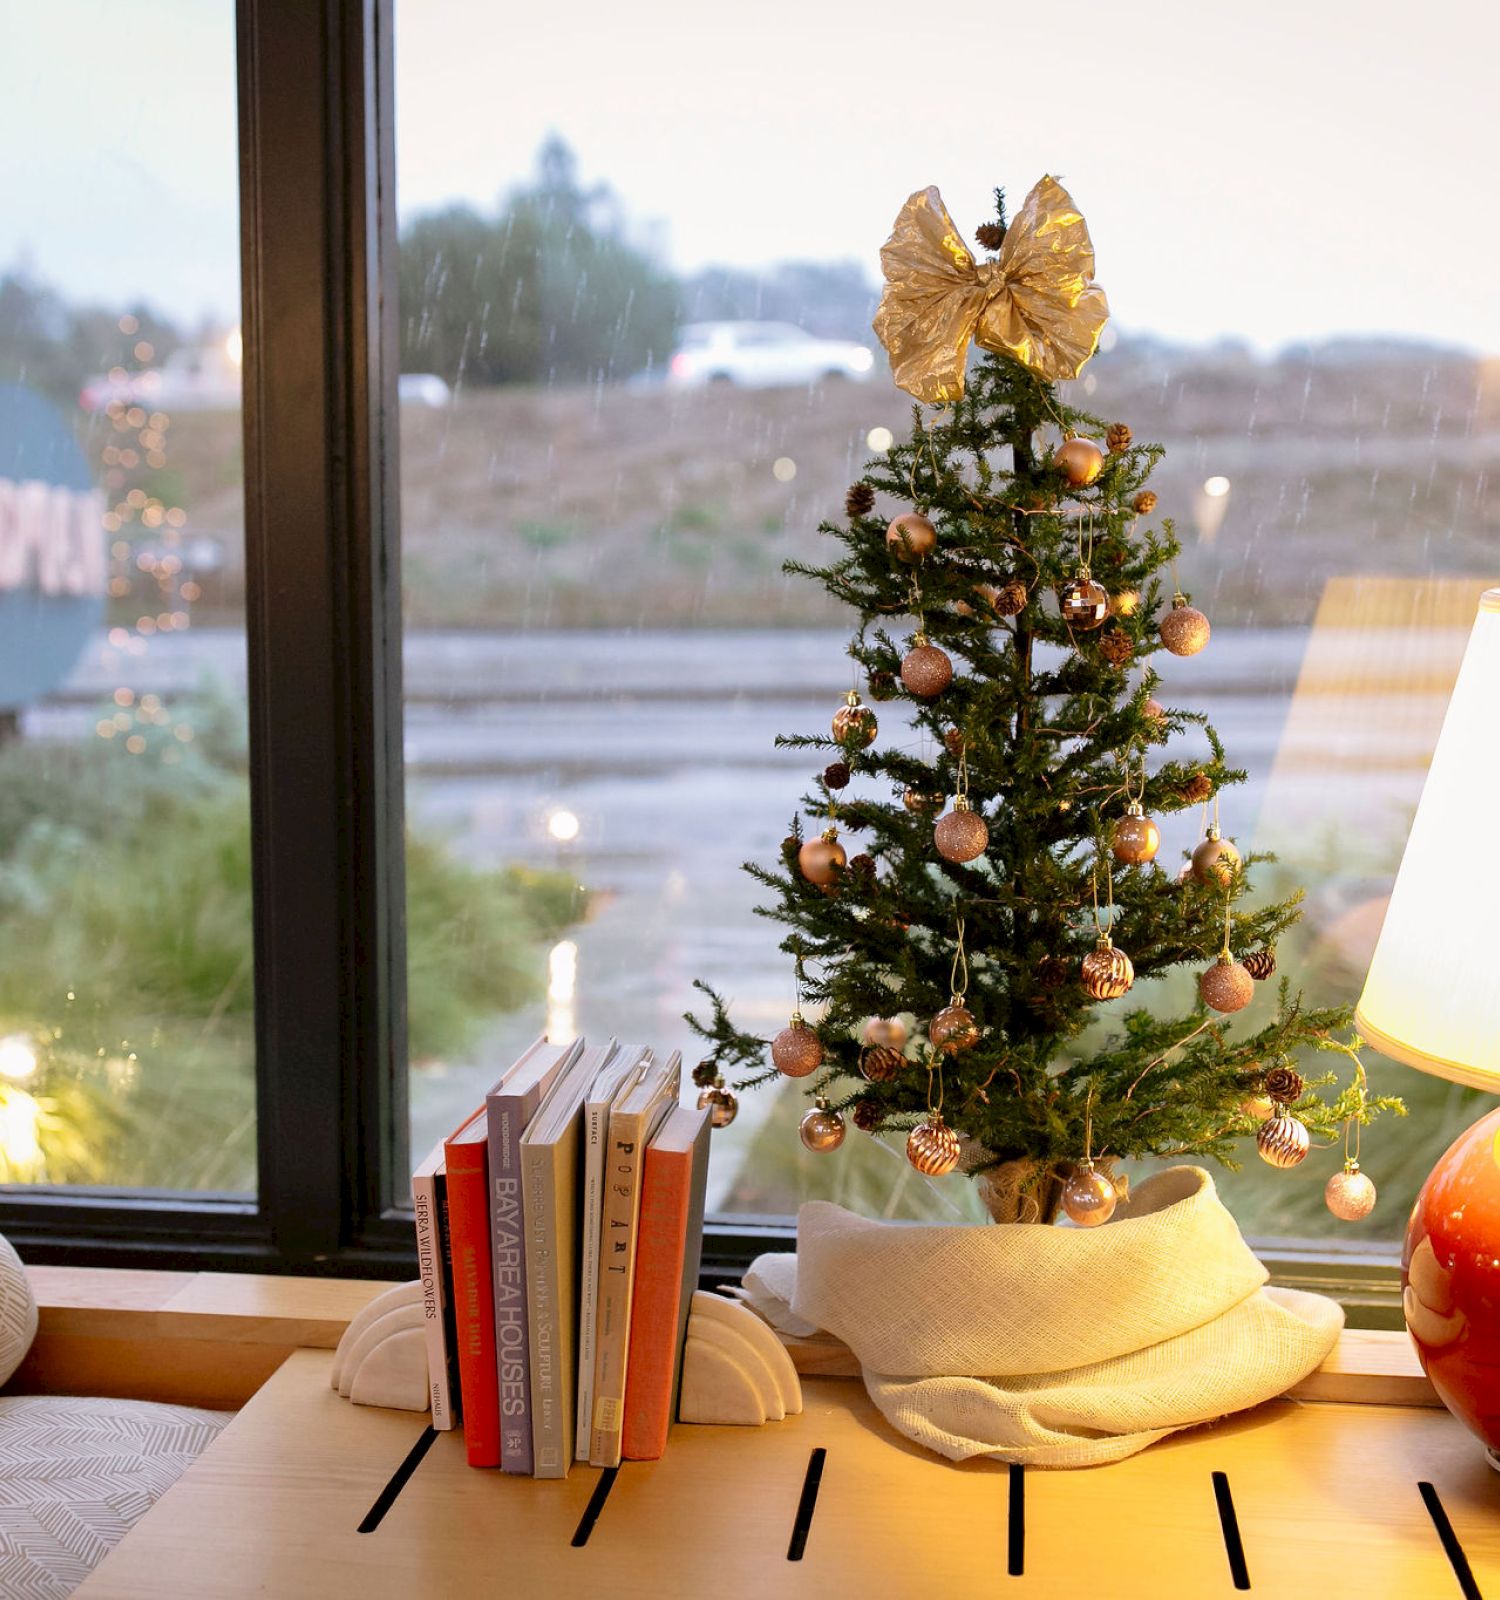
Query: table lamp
{"points": [[1432, 1000]]}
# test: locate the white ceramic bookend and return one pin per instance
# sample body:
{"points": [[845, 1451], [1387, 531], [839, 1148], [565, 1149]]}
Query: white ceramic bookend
{"points": [[382, 1358], [734, 1368]]}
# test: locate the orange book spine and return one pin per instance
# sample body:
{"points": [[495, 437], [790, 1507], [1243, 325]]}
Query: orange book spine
{"points": [[666, 1202], [473, 1301]]}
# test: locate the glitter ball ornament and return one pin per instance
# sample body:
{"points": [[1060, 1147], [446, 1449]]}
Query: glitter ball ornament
{"points": [[720, 1103], [953, 1029], [1226, 986], [961, 834], [1089, 1197], [1144, 503], [1084, 603], [925, 670], [1184, 630], [932, 1147], [1136, 837], [1107, 972], [922, 804], [854, 723], [796, 1050], [1283, 1141], [1284, 1085], [1349, 1194], [821, 860], [1215, 860], [1079, 460], [886, 1030], [1260, 964], [821, 1130], [911, 537]]}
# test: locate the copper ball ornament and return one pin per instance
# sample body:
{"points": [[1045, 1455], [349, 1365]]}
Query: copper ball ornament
{"points": [[911, 537], [821, 860], [854, 723], [961, 834], [1257, 1107], [796, 1050], [1155, 711], [1107, 972], [1215, 860], [1079, 460], [1283, 1141], [932, 1147], [922, 804], [1226, 986], [1349, 1194], [720, 1103], [821, 1130], [890, 1031], [1136, 837], [1184, 630], [1084, 603], [879, 1063], [925, 670], [1089, 1197], [954, 1028]]}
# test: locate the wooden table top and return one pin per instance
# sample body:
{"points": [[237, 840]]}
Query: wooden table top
{"points": [[1325, 1497]]}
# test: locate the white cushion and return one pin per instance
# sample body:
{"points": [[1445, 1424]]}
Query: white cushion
{"points": [[77, 1474], [17, 1312]]}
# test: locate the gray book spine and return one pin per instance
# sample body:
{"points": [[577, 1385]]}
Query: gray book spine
{"points": [[507, 1122]]}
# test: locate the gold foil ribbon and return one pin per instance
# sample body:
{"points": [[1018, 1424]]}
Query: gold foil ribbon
{"points": [[1037, 301]]}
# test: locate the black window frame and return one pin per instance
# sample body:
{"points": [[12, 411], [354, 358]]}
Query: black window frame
{"points": [[323, 624]]}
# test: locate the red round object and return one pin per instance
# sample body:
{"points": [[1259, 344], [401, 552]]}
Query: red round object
{"points": [[1450, 1280]]}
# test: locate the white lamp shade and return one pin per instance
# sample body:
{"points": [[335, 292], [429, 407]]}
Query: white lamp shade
{"points": [[1432, 997]]}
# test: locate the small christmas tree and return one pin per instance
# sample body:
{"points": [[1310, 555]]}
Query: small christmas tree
{"points": [[954, 957]]}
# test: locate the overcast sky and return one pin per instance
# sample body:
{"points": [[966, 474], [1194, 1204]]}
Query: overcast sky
{"points": [[1274, 172]]}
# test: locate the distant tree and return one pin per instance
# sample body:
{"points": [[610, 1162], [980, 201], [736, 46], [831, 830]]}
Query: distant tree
{"points": [[54, 347], [549, 288]]}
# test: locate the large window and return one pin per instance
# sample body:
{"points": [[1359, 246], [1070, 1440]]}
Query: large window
{"points": [[618, 427], [127, 983]]}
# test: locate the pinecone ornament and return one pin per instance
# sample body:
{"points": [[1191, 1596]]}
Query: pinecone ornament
{"points": [[860, 500], [1284, 1085], [1118, 438], [1010, 598], [866, 1115], [881, 1062], [1117, 647], [1260, 964], [989, 235], [1144, 503], [837, 775], [1197, 789]]}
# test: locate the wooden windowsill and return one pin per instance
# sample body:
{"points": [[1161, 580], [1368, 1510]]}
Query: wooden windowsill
{"points": [[212, 1338]]}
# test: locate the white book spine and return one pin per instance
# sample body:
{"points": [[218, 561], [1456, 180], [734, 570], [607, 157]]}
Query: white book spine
{"points": [[430, 1271], [595, 1130]]}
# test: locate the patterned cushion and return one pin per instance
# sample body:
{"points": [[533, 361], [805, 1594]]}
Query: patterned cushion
{"points": [[17, 1312], [75, 1477]]}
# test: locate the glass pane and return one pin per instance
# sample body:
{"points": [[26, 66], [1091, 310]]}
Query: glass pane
{"points": [[621, 443], [126, 1053]]}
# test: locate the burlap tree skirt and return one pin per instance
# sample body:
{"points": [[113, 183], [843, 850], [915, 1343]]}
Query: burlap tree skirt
{"points": [[1054, 1347]]}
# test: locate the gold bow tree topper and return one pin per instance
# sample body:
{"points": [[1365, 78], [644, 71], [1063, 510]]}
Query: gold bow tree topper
{"points": [[1037, 301]]}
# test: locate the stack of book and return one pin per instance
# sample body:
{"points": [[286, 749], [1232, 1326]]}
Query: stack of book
{"points": [[559, 1233]]}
